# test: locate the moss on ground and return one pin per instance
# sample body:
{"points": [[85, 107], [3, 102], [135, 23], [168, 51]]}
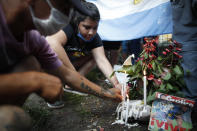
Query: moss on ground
{"points": [[39, 116]]}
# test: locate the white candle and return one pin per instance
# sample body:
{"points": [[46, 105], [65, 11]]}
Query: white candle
{"points": [[127, 108], [144, 72]]}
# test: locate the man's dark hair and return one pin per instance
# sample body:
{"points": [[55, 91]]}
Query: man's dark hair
{"points": [[77, 17]]}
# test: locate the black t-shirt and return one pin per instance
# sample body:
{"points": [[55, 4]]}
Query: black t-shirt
{"points": [[76, 49]]}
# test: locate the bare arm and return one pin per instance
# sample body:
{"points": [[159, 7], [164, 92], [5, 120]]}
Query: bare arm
{"points": [[57, 41], [20, 84], [70, 76], [75, 80], [104, 65]]}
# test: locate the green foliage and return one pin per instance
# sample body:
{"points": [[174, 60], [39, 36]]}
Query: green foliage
{"points": [[39, 116], [164, 73]]}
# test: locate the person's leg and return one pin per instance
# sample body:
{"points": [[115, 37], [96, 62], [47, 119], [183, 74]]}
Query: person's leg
{"points": [[112, 49], [190, 74], [124, 50], [81, 64], [13, 118], [87, 67], [114, 57]]}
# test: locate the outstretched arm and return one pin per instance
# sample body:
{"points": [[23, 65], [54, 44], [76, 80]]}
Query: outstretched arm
{"points": [[104, 65], [75, 80]]}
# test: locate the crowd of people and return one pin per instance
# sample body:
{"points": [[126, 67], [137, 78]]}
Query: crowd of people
{"points": [[29, 64], [45, 52]]}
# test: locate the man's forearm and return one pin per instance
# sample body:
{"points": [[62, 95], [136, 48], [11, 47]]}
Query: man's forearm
{"points": [[15, 83], [78, 82]]}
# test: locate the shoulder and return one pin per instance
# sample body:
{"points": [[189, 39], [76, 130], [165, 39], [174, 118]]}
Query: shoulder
{"points": [[68, 30], [97, 42], [35, 36], [39, 47], [97, 39], [34, 40]]}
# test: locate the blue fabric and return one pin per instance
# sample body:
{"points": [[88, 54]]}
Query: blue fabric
{"points": [[151, 22], [124, 47], [132, 47], [189, 65], [185, 23], [81, 37], [185, 32]]}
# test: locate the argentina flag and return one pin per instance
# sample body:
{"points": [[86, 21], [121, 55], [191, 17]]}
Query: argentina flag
{"points": [[131, 19]]}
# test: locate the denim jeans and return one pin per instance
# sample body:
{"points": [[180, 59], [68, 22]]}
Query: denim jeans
{"points": [[189, 65]]}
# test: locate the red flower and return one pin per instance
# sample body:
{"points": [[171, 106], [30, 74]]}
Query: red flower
{"points": [[167, 50], [178, 49], [171, 47], [150, 66], [158, 82], [142, 58], [175, 53], [153, 56], [129, 84], [177, 44], [150, 77], [180, 56], [164, 53]]}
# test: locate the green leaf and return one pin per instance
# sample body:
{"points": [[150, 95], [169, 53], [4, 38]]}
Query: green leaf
{"points": [[169, 86], [112, 74], [175, 88], [162, 88], [135, 77], [145, 56], [177, 70], [153, 65], [159, 69], [126, 69], [159, 58], [151, 96], [167, 76]]}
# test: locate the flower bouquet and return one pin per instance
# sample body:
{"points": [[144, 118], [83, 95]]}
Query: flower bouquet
{"points": [[163, 71]]}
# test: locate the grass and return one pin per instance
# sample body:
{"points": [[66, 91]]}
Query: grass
{"points": [[39, 116]]}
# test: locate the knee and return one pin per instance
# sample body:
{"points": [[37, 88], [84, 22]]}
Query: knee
{"points": [[13, 118]]}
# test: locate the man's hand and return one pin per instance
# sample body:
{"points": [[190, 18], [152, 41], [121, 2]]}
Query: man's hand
{"points": [[50, 87], [115, 94], [119, 86]]}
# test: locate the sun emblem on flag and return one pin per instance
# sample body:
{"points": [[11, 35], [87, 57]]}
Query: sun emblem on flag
{"points": [[136, 1]]}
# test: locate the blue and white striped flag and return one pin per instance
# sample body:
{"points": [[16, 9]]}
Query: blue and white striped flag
{"points": [[130, 19]]}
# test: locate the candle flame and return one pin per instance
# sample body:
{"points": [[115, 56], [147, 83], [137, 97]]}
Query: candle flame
{"points": [[144, 72]]}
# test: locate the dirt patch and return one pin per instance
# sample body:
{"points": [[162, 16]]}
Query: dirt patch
{"points": [[81, 113]]}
